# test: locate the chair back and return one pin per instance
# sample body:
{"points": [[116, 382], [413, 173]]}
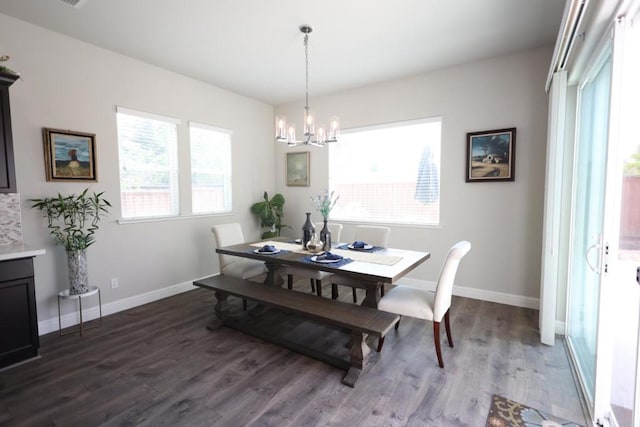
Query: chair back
{"points": [[225, 235], [336, 230], [444, 288], [373, 235]]}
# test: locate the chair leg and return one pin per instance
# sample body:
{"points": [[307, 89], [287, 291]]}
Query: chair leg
{"points": [[447, 327], [289, 281], [355, 296], [381, 291], [436, 338], [313, 286], [381, 340], [319, 287], [334, 291]]}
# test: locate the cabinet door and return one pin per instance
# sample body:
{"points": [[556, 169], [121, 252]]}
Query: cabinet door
{"points": [[18, 321]]}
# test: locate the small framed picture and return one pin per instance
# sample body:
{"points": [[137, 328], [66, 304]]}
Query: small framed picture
{"points": [[491, 155], [298, 169], [69, 155]]}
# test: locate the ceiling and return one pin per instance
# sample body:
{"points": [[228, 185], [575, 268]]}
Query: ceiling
{"points": [[254, 47]]}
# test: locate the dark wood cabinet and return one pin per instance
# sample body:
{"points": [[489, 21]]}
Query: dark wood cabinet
{"points": [[18, 318], [7, 167]]}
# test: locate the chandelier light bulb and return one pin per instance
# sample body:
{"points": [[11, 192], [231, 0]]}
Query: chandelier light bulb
{"points": [[286, 132]]}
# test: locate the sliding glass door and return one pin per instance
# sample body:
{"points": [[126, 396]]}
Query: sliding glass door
{"points": [[604, 299], [586, 253], [625, 244]]}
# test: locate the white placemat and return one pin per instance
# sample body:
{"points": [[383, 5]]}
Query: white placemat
{"points": [[362, 256], [293, 247], [371, 257]]}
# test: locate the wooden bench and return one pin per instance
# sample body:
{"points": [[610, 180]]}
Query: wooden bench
{"points": [[360, 321]]}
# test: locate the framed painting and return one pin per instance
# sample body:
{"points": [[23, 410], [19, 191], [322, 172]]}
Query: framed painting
{"points": [[491, 155], [298, 169], [69, 155]]}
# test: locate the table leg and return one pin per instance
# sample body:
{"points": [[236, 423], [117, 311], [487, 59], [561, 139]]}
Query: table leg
{"points": [[221, 309], [357, 356], [372, 295], [274, 278]]}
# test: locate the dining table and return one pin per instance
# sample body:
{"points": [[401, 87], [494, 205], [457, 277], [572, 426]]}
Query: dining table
{"points": [[309, 324], [371, 267]]}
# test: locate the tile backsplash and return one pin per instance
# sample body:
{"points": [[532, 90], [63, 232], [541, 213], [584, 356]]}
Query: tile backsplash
{"points": [[10, 219]]}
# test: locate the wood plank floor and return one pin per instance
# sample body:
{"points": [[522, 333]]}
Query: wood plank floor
{"points": [[158, 365]]}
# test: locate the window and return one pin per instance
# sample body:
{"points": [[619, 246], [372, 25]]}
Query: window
{"points": [[388, 173], [148, 149], [210, 169]]}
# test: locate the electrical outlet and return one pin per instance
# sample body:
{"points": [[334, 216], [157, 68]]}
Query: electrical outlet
{"points": [[114, 283]]}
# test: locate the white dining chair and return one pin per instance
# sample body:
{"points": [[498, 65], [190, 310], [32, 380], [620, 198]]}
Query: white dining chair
{"points": [[247, 269], [424, 304], [370, 234], [315, 277]]}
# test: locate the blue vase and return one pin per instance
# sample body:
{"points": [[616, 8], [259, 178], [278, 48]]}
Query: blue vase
{"points": [[307, 230], [325, 236]]}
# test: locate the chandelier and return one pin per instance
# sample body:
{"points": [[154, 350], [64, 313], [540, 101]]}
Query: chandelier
{"points": [[312, 134]]}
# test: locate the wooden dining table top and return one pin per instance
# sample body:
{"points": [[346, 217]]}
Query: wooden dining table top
{"points": [[362, 270]]}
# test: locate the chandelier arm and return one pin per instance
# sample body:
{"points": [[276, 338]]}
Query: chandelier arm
{"points": [[288, 135]]}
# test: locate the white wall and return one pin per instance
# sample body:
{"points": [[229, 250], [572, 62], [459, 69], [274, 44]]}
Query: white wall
{"points": [[72, 85], [68, 84], [503, 220]]}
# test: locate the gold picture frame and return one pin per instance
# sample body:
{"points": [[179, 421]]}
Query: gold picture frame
{"points": [[298, 169], [69, 155]]}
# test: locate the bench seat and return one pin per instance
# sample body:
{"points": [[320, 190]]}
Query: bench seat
{"points": [[361, 321]]}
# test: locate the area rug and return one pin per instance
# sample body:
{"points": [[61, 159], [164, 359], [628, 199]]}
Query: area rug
{"points": [[507, 413]]}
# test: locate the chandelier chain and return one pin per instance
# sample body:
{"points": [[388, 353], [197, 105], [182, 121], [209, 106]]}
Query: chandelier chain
{"points": [[306, 73]]}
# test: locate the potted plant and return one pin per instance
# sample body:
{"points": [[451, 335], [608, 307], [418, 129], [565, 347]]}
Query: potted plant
{"points": [[72, 221], [270, 212], [324, 203], [4, 68]]}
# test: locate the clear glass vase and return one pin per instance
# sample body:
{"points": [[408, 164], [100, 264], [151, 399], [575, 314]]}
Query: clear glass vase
{"points": [[78, 275]]}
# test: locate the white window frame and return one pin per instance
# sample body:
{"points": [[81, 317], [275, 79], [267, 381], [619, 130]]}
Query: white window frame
{"points": [[227, 170], [174, 187], [432, 211]]}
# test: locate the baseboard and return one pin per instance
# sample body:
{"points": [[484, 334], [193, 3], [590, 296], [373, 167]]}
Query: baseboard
{"points": [[481, 294], [560, 327], [70, 319]]}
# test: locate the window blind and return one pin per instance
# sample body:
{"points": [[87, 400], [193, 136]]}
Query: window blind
{"points": [[388, 173], [210, 169], [148, 156]]}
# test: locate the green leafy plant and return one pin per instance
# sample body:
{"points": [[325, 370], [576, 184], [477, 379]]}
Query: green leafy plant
{"points": [[271, 212], [324, 203], [3, 68], [632, 165], [73, 219]]}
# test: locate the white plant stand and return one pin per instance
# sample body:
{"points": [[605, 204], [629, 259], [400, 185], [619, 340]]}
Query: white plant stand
{"points": [[93, 290]]}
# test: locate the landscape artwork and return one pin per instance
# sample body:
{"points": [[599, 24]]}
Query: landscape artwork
{"points": [[69, 155], [491, 155], [298, 169]]}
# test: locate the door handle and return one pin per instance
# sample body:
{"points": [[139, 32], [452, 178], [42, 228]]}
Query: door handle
{"points": [[588, 261], [638, 275]]}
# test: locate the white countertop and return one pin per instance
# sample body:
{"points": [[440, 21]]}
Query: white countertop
{"points": [[18, 250]]}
